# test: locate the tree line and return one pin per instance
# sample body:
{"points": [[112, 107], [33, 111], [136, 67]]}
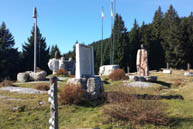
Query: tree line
{"points": [[168, 39], [13, 61]]}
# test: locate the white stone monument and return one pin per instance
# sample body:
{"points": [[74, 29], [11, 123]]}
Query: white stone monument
{"points": [[84, 61], [85, 72]]}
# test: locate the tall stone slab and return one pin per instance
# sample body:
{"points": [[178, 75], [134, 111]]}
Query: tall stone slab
{"points": [[84, 61]]}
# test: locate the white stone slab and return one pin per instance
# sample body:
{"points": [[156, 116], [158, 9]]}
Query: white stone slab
{"points": [[84, 61], [107, 69], [168, 71]]}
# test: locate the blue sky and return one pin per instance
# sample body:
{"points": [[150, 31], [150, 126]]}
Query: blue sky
{"points": [[63, 22]]}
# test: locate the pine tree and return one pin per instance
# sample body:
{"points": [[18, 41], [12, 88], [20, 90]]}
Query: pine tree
{"points": [[9, 56], [53, 50], [42, 52], [120, 42], [173, 39], [156, 57], [134, 45]]}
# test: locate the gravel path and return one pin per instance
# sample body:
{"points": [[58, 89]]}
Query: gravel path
{"points": [[23, 90]]}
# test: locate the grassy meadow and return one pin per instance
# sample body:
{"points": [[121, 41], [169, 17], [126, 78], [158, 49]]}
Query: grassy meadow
{"points": [[30, 114]]}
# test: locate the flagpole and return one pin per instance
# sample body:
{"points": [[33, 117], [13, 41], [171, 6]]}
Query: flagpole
{"points": [[35, 38], [113, 18], [111, 49], [102, 38]]}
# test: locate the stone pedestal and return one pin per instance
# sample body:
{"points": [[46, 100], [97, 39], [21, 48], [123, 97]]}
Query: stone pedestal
{"points": [[143, 78], [105, 70], [188, 74], [167, 71], [31, 76], [93, 85]]}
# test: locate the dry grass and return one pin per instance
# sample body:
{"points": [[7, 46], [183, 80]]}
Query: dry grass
{"points": [[44, 87], [117, 74], [72, 94], [177, 83], [126, 107], [6, 83], [61, 72]]}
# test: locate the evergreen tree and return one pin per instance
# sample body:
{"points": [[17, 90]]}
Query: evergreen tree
{"points": [[9, 56], [134, 45], [53, 50], [173, 39], [156, 58], [42, 52], [120, 42]]}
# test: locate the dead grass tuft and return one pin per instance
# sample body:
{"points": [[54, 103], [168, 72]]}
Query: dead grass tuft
{"points": [[72, 94], [6, 83], [117, 74], [44, 87], [122, 106]]}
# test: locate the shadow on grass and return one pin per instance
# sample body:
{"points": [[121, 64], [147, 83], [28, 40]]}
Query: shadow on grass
{"points": [[164, 83], [158, 97], [118, 96], [176, 121]]}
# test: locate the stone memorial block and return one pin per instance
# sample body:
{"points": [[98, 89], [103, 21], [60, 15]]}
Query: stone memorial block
{"points": [[107, 69], [84, 61]]}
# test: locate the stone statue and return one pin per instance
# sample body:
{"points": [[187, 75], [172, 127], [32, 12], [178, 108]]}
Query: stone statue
{"points": [[142, 62]]}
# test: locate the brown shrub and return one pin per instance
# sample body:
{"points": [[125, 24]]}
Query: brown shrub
{"points": [[177, 83], [127, 107], [117, 74], [6, 83], [72, 94], [44, 87], [61, 72]]}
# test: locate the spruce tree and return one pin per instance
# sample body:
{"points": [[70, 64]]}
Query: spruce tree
{"points": [[173, 39], [53, 50], [42, 52], [120, 42], [134, 45], [157, 58], [9, 56]]}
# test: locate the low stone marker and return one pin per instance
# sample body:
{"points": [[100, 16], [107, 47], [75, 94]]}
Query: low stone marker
{"points": [[167, 70], [107, 69], [188, 73], [53, 100]]}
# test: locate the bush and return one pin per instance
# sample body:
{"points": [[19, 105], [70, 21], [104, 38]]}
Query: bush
{"points": [[61, 72], [177, 83], [6, 83], [72, 94], [117, 74], [125, 107], [43, 87]]}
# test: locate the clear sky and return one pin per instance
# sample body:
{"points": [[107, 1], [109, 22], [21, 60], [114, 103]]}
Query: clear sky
{"points": [[63, 22]]}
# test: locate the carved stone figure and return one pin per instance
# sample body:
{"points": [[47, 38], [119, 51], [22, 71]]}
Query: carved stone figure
{"points": [[142, 62]]}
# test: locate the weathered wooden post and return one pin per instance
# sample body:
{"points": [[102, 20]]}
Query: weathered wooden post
{"points": [[167, 65], [188, 67], [53, 100]]}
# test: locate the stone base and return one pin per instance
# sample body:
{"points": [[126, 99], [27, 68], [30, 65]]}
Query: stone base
{"points": [[31, 76], [93, 85], [105, 70], [168, 71], [143, 78], [188, 74]]}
